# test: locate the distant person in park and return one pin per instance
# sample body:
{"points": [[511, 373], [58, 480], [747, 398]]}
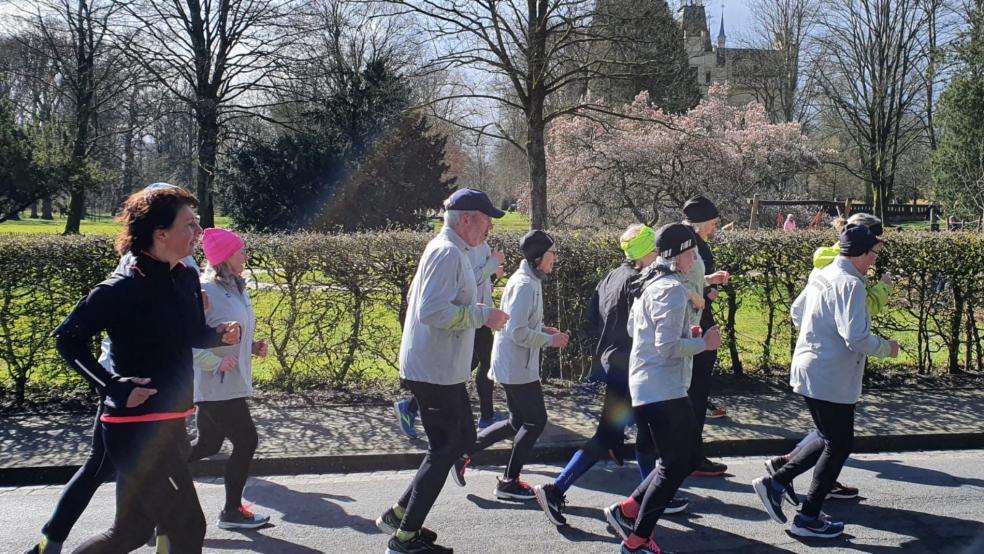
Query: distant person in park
{"points": [[703, 217], [224, 375], [154, 316], [435, 361], [954, 223], [790, 224], [516, 365], [663, 345], [489, 266], [98, 467], [828, 366], [608, 316], [876, 297]]}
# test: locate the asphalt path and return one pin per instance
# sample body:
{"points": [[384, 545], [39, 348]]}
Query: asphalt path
{"points": [[911, 502]]}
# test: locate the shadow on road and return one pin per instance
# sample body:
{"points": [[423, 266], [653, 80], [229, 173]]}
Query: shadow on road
{"points": [[308, 508], [896, 470]]}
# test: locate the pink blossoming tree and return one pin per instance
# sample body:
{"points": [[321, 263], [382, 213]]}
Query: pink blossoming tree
{"points": [[643, 166]]}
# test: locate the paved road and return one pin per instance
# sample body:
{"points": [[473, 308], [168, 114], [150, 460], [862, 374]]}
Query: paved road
{"points": [[913, 502]]}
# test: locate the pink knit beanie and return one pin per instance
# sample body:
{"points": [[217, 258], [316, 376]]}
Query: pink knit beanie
{"points": [[218, 244]]}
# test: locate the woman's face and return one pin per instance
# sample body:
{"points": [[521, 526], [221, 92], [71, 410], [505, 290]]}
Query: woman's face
{"points": [[180, 239], [547, 261], [685, 261], [237, 262]]}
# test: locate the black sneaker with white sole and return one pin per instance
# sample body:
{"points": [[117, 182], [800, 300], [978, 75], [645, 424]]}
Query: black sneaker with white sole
{"points": [[241, 518], [552, 502], [622, 525], [772, 465], [676, 505], [458, 471], [415, 545], [514, 489], [388, 523], [821, 527], [770, 497]]}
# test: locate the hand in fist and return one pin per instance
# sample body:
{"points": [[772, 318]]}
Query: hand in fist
{"points": [[231, 332], [260, 348], [496, 319], [229, 363], [560, 340], [712, 338]]}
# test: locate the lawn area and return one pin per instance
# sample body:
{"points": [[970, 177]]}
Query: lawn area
{"points": [[511, 222], [102, 226]]}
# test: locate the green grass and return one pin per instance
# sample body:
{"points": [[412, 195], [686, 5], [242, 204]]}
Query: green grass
{"points": [[104, 226]]}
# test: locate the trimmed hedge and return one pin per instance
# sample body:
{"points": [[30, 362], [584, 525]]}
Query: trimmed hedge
{"points": [[331, 305]]}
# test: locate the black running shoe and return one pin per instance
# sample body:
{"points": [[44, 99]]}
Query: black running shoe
{"points": [[822, 527], [241, 518], [770, 497], [416, 545], [388, 523], [552, 501], [842, 492], [676, 505], [707, 468], [458, 471], [514, 489], [622, 525]]}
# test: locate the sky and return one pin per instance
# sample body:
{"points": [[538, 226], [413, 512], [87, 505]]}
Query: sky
{"points": [[737, 22]]}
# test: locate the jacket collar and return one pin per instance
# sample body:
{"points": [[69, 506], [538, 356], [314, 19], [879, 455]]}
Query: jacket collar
{"points": [[455, 238], [526, 269], [846, 265], [149, 266]]}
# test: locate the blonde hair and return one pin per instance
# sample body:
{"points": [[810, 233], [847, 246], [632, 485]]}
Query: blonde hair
{"points": [[867, 220], [223, 275], [631, 232], [838, 223]]}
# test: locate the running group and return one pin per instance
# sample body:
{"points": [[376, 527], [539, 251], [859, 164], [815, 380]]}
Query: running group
{"points": [[176, 344]]}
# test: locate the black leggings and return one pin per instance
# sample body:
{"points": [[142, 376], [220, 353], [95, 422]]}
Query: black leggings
{"points": [[616, 415], [481, 362], [153, 486], [76, 495], [227, 419], [835, 424], [700, 389], [445, 412], [673, 429], [527, 419]]}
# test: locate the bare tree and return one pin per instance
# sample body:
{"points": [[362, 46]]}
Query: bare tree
{"points": [[215, 55], [538, 48], [873, 61], [785, 27], [74, 37]]}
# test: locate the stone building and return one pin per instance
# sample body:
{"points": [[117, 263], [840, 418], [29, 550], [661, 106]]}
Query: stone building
{"points": [[747, 70]]}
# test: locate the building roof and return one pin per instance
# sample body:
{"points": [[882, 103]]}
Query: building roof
{"points": [[693, 20]]}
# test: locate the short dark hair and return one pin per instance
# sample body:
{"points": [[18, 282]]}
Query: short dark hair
{"points": [[146, 211]]}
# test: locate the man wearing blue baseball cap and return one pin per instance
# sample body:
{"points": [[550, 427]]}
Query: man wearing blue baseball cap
{"points": [[435, 361]]}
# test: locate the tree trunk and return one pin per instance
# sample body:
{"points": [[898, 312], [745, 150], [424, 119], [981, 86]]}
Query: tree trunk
{"points": [[537, 155], [208, 144], [85, 60], [46, 209], [34, 210]]}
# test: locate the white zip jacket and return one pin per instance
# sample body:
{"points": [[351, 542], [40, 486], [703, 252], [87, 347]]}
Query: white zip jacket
{"points": [[661, 360], [835, 335], [516, 349], [210, 384], [442, 314]]}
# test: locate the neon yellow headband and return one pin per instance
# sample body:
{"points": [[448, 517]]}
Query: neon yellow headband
{"points": [[642, 244]]}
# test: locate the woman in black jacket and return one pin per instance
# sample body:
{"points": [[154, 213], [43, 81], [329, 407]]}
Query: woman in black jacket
{"points": [[154, 316]]}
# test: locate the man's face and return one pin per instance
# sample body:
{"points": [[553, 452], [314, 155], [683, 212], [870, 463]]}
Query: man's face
{"points": [[866, 261], [476, 227]]}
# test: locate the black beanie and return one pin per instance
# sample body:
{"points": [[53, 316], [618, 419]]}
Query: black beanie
{"points": [[856, 240], [674, 239], [535, 244], [699, 209]]}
